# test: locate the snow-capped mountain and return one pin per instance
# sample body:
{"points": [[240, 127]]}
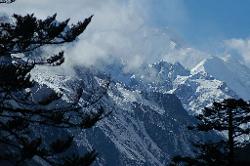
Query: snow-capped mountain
{"points": [[148, 122], [195, 89], [151, 107], [229, 70], [145, 127]]}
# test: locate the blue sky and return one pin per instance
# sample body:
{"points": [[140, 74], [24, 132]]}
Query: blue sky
{"points": [[203, 23]]}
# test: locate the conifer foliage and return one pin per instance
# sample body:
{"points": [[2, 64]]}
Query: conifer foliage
{"points": [[20, 114], [230, 116], [7, 1]]}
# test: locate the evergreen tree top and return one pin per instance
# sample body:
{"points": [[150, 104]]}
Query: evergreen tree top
{"points": [[26, 34], [29, 33], [7, 1]]}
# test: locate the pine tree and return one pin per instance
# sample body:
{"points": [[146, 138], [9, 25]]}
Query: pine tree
{"points": [[7, 1], [229, 116], [19, 113]]}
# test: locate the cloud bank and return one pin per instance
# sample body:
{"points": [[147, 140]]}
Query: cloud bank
{"points": [[240, 48], [133, 31], [124, 29]]}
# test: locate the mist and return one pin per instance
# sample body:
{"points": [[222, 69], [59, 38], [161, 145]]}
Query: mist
{"points": [[130, 31]]}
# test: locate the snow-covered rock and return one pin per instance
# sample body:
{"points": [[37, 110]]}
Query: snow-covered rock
{"points": [[146, 127], [229, 70], [196, 88], [151, 107]]}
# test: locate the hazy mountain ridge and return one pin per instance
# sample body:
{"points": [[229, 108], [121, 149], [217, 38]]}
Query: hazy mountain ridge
{"points": [[229, 70], [145, 127], [148, 122], [195, 89]]}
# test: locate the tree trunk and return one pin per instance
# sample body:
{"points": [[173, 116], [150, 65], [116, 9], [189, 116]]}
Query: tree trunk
{"points": [[230, 137]]}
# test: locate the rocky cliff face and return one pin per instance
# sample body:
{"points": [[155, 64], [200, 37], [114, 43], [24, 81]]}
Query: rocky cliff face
{"points": [[148, 124], [196, 89], [151, 108], [143, 129]]}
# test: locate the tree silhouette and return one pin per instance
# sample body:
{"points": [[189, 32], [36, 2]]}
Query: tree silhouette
{"points": [[20, 114], [229, 116], [7, 1], [207, 154]]}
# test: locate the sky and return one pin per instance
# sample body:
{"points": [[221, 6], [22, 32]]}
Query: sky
{"points": [[136, 29], [202, 22], [216, 20]]}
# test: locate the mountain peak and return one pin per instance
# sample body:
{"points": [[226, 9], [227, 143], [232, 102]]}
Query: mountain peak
{"points": [[228, 70], [210, 63]]}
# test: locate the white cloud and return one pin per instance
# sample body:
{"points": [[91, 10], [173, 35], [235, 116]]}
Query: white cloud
{"points": [[241, 47], [120, 29], [188, 57]]}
